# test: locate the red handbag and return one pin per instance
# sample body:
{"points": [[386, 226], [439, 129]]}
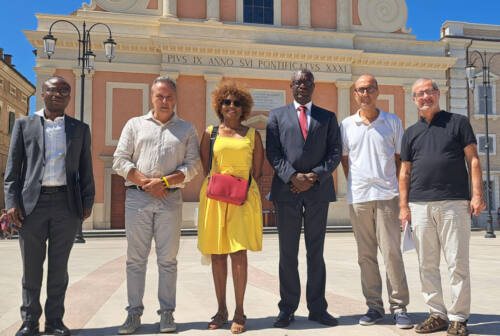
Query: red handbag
{"points": [[226, 188]]}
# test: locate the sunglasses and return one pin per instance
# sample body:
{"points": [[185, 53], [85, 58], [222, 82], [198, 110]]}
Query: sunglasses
{"points": [[228, 102], [369, 89], [63, 92]]}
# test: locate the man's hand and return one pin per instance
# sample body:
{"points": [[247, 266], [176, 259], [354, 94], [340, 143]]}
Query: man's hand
{"points": [[477, 205], [300, 183], [156, 188], [311, 177], [87, 213], [404, 215], [16, 216]]}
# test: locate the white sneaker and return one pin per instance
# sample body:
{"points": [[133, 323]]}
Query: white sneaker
{"points": [[132, 323], [167, 323]]}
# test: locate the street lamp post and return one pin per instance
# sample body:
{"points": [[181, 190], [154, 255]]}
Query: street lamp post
{"points": [[471, 79], [86, 59]]}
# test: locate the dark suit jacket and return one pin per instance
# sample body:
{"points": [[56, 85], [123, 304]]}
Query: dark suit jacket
{"points": [[288, 153], [26, 162]]}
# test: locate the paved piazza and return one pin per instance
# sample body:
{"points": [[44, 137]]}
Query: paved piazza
{"points": [[96, 295]]}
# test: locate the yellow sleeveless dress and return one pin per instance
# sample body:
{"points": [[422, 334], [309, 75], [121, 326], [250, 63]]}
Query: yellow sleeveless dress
{"points": [[226, 228]]}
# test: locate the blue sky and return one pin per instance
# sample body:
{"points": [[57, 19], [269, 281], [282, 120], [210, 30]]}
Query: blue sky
{"points": [[425, 18]]}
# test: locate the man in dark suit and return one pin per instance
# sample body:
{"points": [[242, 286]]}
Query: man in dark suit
{"points": [[49, 189], [303, 146]]}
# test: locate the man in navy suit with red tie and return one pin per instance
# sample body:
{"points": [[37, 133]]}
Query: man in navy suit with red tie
{"points": [[303, 146]]}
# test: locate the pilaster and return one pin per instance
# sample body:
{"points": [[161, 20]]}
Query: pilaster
{"points": [[304, 13], [213, 10], [211, 82], [42, 74], [343, 111], [344, 15], [411, 114], [170, 9]]}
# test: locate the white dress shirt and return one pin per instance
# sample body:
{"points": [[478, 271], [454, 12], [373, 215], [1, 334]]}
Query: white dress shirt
{"points": [[308, 107], [54, 172], [157, 149], [371, 149]]}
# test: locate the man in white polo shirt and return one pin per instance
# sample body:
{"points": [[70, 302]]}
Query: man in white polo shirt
{"points": [[371, 141]]}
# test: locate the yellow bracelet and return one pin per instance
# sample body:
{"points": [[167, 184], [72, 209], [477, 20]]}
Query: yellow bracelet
{"points": [[165, 181]]}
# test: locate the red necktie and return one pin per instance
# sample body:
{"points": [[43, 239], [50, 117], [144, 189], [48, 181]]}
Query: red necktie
{"points": [[303, 121]]}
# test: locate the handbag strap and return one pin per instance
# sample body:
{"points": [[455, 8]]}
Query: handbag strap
{"points": [[213, 136]]}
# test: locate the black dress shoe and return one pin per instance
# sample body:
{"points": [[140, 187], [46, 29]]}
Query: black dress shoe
{"points": [[29, 328], [56, 327], [283, 320], [324, 318]]}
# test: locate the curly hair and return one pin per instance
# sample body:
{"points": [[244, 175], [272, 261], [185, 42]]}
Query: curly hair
{"points": [[227, 88]]}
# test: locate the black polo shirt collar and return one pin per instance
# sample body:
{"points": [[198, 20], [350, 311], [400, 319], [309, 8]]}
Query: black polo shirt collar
{"points": [[434, 120]]}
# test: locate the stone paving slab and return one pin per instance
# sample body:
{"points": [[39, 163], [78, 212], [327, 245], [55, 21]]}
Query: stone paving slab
{"points": [[96, 295]]}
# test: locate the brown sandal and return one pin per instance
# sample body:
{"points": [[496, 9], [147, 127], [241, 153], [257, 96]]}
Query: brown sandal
{"points": [[218, 320], [238, 325], [431, 324]]}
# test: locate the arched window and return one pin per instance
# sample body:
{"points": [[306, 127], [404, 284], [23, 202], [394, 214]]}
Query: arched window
{"points": [[258, 11]]}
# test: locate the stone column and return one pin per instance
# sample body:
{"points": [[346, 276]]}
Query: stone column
{"points": [[239, 11], [87, 98], [42, 74], [211, 82], [277, 12], [343, 111], [457, 77], [304, 13], [443, 99], [411, 114], [213, 10], [344, 15], [170, 9]]}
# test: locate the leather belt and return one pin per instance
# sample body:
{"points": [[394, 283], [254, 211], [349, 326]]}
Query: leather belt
{"points": [[53, 190], [136, 187]]}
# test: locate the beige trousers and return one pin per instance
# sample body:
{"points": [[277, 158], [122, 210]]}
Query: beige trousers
{"points": [[443, 226], [376, 226]]}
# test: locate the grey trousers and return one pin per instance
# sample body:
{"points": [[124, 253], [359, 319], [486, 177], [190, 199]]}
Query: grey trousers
{"points": [[443, 226], [148, 218], [376, 225], [51, 221]]}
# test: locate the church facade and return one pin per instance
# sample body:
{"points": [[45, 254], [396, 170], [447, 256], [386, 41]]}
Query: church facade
{"points": [[258, 43]]}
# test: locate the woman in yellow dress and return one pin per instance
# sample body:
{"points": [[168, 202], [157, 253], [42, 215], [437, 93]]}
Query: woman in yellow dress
{"points": [[225, 228]]}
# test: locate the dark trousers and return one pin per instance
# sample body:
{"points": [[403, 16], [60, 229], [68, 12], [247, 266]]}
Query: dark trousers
{"points": [[51, 221], [290, 217]]}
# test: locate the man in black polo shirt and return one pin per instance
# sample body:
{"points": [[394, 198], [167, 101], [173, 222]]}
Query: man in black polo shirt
{"points": [[434, 197]]}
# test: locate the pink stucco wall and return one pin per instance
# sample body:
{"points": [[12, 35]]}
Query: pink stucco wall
{"points": [[324, 14], [289, 13], [192, 9], [228, 10]]}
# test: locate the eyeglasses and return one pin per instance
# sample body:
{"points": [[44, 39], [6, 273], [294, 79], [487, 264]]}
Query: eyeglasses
{"points": [[307, 83], [368, 89], [420, 94], [64, 92], [228, 102]]}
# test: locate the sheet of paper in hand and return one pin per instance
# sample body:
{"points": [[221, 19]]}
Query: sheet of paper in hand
{"points": [[408, 243]]}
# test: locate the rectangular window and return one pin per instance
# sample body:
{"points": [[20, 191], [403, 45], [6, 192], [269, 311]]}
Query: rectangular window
{"points": [[481, 143], [13, 90], [12, 119], [481, 102], [258, 11]]}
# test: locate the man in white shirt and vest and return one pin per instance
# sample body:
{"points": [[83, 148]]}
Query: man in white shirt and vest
{"points": [[49, 190], [157, 154], [371, 141]]}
